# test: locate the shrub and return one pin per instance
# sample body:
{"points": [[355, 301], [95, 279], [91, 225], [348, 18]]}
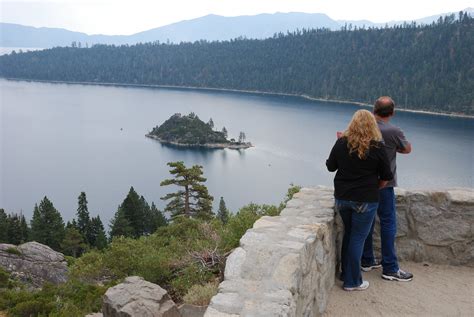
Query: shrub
{"points": [[32, 307], [187, 277], [4, 278], [13, 250], [201, 294]]}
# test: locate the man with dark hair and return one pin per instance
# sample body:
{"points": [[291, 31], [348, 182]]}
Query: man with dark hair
{"points": [[395, 142]]}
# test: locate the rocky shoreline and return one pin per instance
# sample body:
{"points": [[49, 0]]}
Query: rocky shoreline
{"points": [[305, 96], [233, 146]]}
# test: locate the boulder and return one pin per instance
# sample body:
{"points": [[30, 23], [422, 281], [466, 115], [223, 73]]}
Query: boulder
{"points": [[136, 297], [34, 263]]}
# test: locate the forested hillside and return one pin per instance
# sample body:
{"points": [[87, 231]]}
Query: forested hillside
{"points": [[421, 67]]}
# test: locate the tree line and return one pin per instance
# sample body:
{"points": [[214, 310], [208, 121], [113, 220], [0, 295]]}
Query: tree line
{"points": [[134, 217], [426, 67]]}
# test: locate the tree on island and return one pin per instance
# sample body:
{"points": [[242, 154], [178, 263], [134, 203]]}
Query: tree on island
{"points": [[192, 199], [223, 212], [47, 225], [242, 137], [211, 123], [224, 131]]}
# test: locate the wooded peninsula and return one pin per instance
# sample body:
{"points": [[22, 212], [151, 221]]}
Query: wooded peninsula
{"points": [[423, 67]]}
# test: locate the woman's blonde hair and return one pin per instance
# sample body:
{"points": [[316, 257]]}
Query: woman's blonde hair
{"points": [[361, 133]]}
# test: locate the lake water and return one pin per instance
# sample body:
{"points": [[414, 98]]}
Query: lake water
{"points": [[59, 139]]}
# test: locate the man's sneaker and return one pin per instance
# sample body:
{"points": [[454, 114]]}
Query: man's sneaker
{"points": [[400, 276], [361, 287], [369, 267]]}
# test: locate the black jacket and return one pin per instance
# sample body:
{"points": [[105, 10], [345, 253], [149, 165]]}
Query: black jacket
{"points": [[356, 179]]}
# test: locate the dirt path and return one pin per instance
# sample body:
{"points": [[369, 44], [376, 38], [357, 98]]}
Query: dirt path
{"points": [[436, 290]]}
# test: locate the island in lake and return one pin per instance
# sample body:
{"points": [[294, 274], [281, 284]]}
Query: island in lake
{"points": [[190, 131]]}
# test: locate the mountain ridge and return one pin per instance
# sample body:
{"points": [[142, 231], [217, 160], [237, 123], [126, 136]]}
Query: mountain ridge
{"points": [[210, 27]]}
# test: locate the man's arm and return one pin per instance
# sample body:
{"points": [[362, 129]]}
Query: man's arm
{"points": [[403, 146]]}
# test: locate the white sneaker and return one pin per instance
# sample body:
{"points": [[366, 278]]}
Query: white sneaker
{"points": [[361, 287]]}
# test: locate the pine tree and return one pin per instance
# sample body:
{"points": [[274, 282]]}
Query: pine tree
{"points": [[73, 242], [224, 130], [193, 199], [131, 216], [120, 226], [223, 212], [14, 229], [99, 239], [155, 218], [83, 218], [3, 226], [242, 137], [47, 225], [158, 216], [25, 230], [211, 123]]}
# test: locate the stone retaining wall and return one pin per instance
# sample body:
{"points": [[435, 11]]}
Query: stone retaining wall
{"points": [[286, 265], [435, 226]]}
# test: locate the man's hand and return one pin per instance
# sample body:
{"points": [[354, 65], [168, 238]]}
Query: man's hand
{"points": [[406, 149], [382, 183]]}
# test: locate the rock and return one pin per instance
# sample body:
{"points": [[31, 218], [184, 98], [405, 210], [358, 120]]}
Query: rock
{"points": [[34, 263], [95, 315], [136, 297]]}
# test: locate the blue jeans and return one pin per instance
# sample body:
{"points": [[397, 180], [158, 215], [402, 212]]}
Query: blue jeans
{"points": [[388, 229], [358, 218]]}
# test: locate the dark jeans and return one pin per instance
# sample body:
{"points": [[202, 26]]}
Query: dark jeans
{"points": [[357, 218], [388, 229]]}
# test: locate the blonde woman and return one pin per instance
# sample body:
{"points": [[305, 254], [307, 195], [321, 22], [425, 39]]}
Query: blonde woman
{"points": [[362, 168]]}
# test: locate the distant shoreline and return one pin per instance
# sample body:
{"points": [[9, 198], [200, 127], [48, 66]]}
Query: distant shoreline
{"points": [[205, 145], [304, 96]]}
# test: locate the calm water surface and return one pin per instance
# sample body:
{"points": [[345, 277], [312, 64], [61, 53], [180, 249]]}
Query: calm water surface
{"points": [[58, 140]]}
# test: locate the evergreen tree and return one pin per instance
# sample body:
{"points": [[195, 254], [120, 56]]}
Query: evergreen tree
{"points": [[193, 199], [14, 232], [211, 123], [73, 243], [242, 137], [158, 216], [47, 225], [3, 226], [99, 239], [223, 212], [83, 218], [25, 230], [131, 217], [155, 218], [120, 225], [224, 130]]}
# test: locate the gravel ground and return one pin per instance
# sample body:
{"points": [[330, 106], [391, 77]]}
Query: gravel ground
{"points": [[436, 290]]}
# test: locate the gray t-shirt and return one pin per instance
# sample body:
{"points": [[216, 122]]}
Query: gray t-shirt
{"points": [[394, 140]]}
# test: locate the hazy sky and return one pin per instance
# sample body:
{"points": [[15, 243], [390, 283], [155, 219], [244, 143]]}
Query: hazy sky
{"points": [[131, 16]]}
